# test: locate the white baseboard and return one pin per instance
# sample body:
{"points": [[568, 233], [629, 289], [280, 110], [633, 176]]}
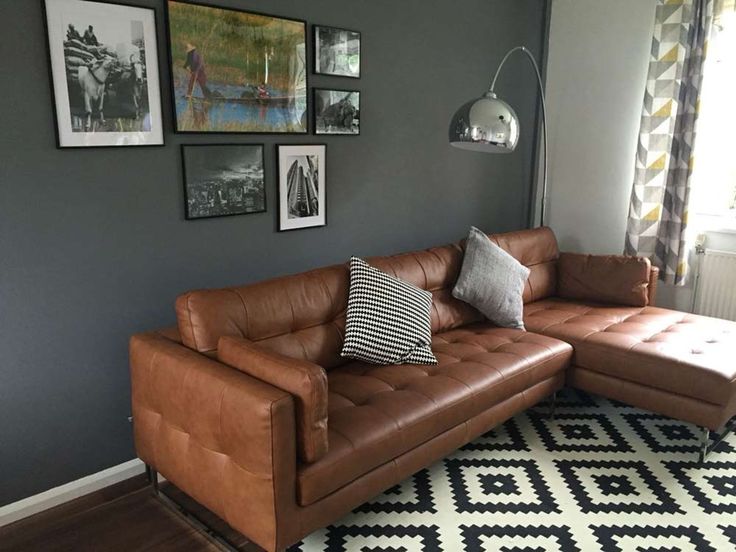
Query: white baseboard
{"points": [[65, 493]]}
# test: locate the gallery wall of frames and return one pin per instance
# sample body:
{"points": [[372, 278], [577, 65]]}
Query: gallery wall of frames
{"points": [[232, 72]]}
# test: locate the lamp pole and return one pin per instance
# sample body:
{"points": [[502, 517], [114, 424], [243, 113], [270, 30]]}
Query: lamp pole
{"points": [[530, 57]]}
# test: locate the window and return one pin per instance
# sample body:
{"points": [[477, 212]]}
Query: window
{"points": [[714, 173]]}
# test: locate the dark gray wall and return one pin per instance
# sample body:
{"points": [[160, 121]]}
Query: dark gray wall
{"points": [[94, 246]]}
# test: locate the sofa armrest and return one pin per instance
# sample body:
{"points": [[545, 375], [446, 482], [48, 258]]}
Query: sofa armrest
{"points": [[306, 381], [224, 438], [653, 281], [614, 279]]}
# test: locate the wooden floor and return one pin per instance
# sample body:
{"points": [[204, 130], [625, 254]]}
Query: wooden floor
{"points": [[123, 518]]}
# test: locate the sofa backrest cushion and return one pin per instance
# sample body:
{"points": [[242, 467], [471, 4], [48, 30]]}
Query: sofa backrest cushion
{"points": [[435, 270], [612, 279], [538, 251], [303, 316]]}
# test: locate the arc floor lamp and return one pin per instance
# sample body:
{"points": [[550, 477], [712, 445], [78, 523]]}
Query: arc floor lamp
{"points": [[488, 124]]}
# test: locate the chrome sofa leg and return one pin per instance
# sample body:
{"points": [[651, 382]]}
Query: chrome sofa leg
{"points": [[552, 406], [706, 447], [149, 474], [215, 537], [704, 442]]}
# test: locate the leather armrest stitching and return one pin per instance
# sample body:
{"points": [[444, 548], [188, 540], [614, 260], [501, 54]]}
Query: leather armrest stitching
{"points": [[191, 324], [247, 318], [424, 272], [327, 291], [313, 398], [276, 504]]}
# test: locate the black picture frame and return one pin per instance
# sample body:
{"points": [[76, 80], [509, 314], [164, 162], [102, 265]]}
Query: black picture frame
{"points": [[154, 60], [281, 194], [172, 81], [316, 50], [315, 114], [187, 173]]}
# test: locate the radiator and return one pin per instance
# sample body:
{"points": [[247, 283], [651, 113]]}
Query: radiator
{"points": [[715, 293]]}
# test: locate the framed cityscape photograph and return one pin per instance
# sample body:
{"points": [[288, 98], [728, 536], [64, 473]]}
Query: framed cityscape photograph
{"points": [[336, 52], [224, 179], [301, 170], [336, 112], [236, 71], [104, 72]]}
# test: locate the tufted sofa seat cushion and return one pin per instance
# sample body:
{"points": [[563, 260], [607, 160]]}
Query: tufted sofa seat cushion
{"points": [[377, 413], [685, 354]]}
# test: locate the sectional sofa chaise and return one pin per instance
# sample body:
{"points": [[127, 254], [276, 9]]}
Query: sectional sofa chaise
{"points": [[249, 408]]}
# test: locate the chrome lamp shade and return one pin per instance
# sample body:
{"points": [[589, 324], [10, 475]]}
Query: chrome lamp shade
{"points": [[490, 125], [487, 124]]}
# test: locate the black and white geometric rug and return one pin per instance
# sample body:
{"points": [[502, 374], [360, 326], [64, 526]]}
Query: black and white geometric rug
{"points": [[600, 477]]}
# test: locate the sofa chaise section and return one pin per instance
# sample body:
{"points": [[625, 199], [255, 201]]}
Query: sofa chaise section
{"points": [[672, 363], [676, 364]]}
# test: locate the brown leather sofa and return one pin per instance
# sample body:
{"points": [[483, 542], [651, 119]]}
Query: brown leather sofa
{"points": [[249, 408]]}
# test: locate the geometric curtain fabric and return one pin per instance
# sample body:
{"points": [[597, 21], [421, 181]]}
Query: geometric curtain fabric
{"points": [[664, 159]]}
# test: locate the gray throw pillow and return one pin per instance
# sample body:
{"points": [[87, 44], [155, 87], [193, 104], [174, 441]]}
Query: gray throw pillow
{"points": [[492, 281]]}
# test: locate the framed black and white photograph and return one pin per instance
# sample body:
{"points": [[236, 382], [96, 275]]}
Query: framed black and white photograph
{"points": [[104, 69], [301, 171], [224, 179], [336, 52], [336, 112]]}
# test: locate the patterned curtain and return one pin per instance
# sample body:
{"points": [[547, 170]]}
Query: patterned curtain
{"points": [[659, 199]]}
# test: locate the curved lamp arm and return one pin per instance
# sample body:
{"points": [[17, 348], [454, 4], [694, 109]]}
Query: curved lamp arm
{"points": [[529, 56]]}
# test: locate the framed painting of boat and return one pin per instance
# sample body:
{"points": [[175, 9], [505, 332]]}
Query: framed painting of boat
{"points": [[236, 71]]}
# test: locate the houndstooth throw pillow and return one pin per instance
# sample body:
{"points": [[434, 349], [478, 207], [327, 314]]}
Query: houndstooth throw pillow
{"points": [[388, 320]]}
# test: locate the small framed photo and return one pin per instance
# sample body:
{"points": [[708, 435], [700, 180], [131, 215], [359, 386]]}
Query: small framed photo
{"points": [[224, 179], [336, 112], [104, 68], [336, 52], [301, 171]]}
